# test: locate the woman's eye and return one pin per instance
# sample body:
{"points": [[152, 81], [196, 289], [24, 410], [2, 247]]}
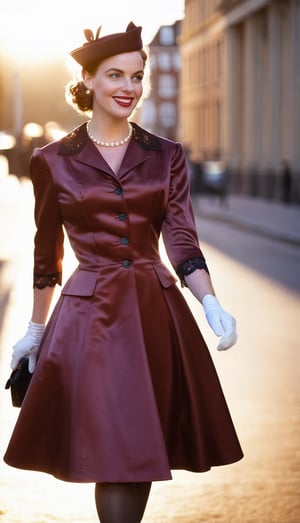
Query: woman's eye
{"points": [[135, 78], [138, 77]]}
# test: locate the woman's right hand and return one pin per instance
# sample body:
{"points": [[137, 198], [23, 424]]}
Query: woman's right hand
{"points": [[28, 346]]}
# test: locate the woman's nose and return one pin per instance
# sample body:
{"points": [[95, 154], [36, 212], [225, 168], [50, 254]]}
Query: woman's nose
{"points": [[127, 84]]}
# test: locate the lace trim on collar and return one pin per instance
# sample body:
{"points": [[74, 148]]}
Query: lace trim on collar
{"points": [[76, 140]]}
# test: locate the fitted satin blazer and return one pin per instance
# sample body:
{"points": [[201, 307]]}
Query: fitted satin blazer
{"points": [[124, 388]]}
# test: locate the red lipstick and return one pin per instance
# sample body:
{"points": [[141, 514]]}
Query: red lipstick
{"points": [[123, 101]]}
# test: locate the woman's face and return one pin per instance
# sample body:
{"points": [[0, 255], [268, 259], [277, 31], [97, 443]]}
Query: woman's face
{"points": [[117, 84]]}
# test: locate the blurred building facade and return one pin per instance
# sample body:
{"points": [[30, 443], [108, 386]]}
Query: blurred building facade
{"points": [[240, 91], [160, 109], [32, 96]]}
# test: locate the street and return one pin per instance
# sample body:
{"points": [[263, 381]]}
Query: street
{"points": [[257, 280], [278, 261]]}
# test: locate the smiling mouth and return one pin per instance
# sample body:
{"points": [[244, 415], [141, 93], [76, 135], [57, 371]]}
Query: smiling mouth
{"points": [[123, 101]]}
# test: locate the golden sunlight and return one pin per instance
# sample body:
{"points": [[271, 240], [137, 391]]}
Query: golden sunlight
{"points": [[34, 31]]}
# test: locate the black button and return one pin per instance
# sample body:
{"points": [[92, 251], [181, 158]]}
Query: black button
{"points": [[122, 216], [127, 264], [124, 240], [119, 191]]}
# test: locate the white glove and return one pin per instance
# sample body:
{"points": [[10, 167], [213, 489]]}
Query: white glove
{"points": [[221, 322], [28, 346]]}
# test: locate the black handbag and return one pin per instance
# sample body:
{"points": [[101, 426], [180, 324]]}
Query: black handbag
{"points": [[18, 382]]}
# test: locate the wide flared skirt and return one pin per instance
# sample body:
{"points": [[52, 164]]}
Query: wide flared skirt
{"points": [[124, 389]]}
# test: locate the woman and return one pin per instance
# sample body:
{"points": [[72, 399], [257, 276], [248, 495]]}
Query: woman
{"points": [[124, 388]]}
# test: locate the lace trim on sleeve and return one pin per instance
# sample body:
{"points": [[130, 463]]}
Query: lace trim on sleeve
{"points": [[187, 267], [40, 281]]}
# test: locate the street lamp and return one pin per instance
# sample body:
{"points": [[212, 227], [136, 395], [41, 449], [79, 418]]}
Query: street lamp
{"points": [[32, 130], [7, 141]]}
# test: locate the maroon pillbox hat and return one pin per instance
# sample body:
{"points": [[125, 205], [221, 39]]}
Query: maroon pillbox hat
{"points": [[97, 49]]}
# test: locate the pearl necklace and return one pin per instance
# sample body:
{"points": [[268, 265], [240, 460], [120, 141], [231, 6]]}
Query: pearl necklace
{"points": [[109, 144]]}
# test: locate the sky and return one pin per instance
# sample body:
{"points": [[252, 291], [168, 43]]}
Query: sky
{"points": [[35, 30]]}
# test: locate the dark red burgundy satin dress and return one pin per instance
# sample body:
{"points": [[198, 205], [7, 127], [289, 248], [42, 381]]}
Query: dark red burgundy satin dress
{"points": [[125, 388]]}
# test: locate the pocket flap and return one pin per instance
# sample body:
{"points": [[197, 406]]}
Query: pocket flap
{"points": [[81, 283], [165, 277]]}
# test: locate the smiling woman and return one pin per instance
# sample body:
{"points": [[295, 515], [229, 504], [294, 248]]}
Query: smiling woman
{"points": [[104, 414]]}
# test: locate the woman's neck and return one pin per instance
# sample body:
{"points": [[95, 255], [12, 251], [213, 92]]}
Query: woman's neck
{"points": [[108, 130]]}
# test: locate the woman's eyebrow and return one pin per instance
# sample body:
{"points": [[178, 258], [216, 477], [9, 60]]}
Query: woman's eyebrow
{"points": [[115, 69]]}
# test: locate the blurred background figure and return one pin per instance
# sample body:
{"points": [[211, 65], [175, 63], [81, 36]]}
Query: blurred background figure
{"points": [[286, 182]]}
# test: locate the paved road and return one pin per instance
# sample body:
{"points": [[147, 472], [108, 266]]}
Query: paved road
{"points": [[260, 377], [276, 260]]}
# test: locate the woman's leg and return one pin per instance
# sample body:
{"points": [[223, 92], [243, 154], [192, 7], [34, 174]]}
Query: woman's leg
{"points": [[143, 491], [121, 502]]}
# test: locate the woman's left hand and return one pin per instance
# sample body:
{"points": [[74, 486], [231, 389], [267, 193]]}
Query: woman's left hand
{"points": [[222, 323]]}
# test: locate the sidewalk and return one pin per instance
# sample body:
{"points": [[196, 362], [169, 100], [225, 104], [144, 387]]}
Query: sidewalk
{"points": [[270, 219]]}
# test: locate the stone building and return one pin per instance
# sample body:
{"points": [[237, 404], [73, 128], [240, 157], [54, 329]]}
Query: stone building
{"points": [[240, 90], [160, 109]]}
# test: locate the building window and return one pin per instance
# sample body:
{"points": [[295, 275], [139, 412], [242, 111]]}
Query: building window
{"points": [[166, 35], [164, 61], [167, 114], [167, 86]]}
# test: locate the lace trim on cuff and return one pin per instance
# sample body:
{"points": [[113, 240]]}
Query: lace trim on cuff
{"points": [[187, 267], [40, 281]]}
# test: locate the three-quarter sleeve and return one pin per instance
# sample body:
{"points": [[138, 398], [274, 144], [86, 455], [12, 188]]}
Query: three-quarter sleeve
{"points": [[179, 228], [49, 236]]}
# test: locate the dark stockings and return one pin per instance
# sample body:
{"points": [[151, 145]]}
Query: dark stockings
{"points": [[121, 502]]}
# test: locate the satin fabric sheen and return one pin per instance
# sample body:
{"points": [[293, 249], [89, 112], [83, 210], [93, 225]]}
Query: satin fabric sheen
{"points": [[124, 388]]}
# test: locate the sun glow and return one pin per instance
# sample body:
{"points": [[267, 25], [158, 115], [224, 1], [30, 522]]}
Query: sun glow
{"points": [[34, 31]]}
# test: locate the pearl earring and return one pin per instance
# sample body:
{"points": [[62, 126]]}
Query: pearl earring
{"points": [[87, 91]]}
